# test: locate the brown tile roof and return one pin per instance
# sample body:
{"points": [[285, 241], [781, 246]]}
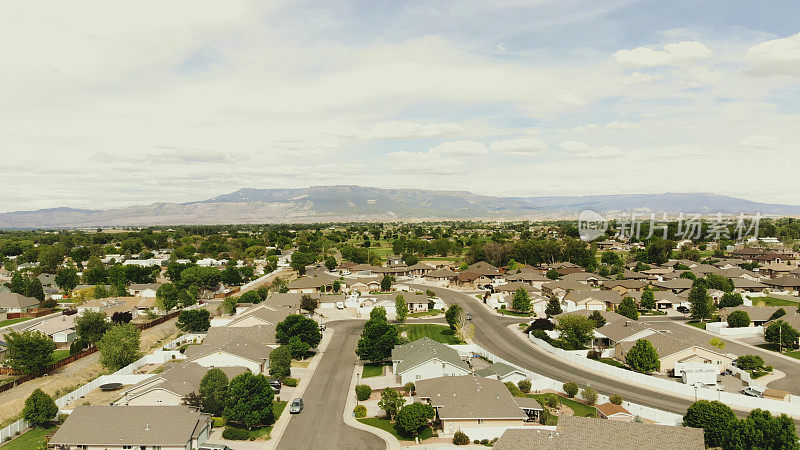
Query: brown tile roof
{"points": [[609, 409]]}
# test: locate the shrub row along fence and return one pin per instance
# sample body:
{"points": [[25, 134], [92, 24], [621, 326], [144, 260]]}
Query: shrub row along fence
{"points": [[791, 407]]}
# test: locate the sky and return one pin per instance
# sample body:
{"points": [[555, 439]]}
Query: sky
{"points": [[107, 104]]}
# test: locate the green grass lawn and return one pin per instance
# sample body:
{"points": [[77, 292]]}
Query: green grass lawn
{"points": [[578, 408], [439, 333], [793, 354], [771, 301], [700, 325], [508, 312], [35, 438], [384, 424], [58, 355], [373, 369], [613, 362], [431, 312], [5, 323], [264, 432]]}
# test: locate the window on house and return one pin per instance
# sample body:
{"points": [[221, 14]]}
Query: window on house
{"points": [[480, 421]]}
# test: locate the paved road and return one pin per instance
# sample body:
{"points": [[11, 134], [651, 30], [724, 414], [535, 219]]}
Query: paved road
{"points": [[321, 425]]}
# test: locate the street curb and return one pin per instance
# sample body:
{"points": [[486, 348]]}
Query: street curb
{"points": [[391, 442]]}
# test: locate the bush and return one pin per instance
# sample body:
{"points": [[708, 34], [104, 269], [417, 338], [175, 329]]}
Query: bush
{"points": [[540, 334], [593, 354], [615, 399], [552, 400], [291, 382], [571, 389], [363, 392], [589, 394], [738, 319], [217, 422], [360, 411], [460, 438], [524, 386], [476, 441], [236, 434], [484, 442], [410, 388], [515, 391], [749, 362]]}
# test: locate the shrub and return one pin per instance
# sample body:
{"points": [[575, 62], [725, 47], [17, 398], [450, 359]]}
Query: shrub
{"points": [[363, 392], [515, 391], [410, 388], [738, 319], [749, 362], [291, 382], [590, 395], [524, 386], [540, 334], [571, 389], [360, 411], [39, 408], [484, 441], [551, 400], [235, 434], [615, 399], [593, 354], [217, 422], [476, 441], [460, 438], [541, 324]]}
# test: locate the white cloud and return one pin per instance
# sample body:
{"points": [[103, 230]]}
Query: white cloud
{"points": [[776, 57], [460, 148], [759, 141], [409, 130], [673, 55], [583, 150], [421, 163], [615, 125], [522, 146]]}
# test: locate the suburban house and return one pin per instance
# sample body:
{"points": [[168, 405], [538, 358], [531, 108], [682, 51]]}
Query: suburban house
{"points": [[366, 285], [468, 403], [743, 285], [759, 315], [502, 372], [531, 277], [263, 315], [114, 427], [672, 350], [585, 278], [611, 411], [560, 288], [789, 284], [137, 306], [416, 302], [440, 277], [231, 346], [147, 290], [426, 358], [16, 303], [675, 285], [419, 269], [592, 300], [622, 287], [586, 432], [310, 285], [172, 386], [663, 299], [61, 329]]}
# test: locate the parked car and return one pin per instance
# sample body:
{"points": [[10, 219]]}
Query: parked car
{"points": [[275, 384], [751, 392], [683, 309], [296, 406], [469, 316], [213, 447]]}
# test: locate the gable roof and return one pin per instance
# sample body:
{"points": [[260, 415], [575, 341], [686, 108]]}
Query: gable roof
{"points": [[602, 296], [756, 313], [422, 350], [184, 378], [469, 397], [667, 344], [441, 273], [783, 282], [246, 342], [14, 300], [500, 369]]}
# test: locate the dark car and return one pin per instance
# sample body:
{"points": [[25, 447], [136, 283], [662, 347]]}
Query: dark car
{"points": [[683, 309], [276, 385]]}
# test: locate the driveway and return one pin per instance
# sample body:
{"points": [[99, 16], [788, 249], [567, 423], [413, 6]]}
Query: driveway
{"points": [[321, 425]]}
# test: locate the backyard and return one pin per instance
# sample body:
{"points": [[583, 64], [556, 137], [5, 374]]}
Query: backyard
{"points": [[373, 369], [35, 438], [439, 333]]}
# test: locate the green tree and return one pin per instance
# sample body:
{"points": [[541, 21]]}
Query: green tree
{"points": [[229, 305], [750, 362], [119, 346], [40, 409], [411, 419], [29, 352], [167, 296], [378, 337], [553, 274], [761, 430], [92, 325], [452, 316], [298, 347], [521, 301], [386, 282], [713, 417], [781, 333], [628, 308], [330, 263], [401, 307], [280, 362], [307, 330], [213, 391], [738, 319], [67, 279], [35, 290], [553, 307], [576, 330], [19, 284], [570, 389], [700, 302], [249, 401], [648, 300], [231, 276], [642, 357], [308, 303], [731, 300], [391, 402], [597, 319], [194, 320]]}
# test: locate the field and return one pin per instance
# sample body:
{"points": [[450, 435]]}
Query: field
{"points": [[439, 333]]}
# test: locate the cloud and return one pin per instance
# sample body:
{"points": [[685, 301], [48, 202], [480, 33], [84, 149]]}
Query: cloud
{"points": [[583, 150], [759, 141], [615, 125], [676, 54], [408, 130], [776, 57], [520, 147], [460, 148], [424, 163]]}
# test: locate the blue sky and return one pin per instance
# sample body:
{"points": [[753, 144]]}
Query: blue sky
{"points": [[110, 106]]}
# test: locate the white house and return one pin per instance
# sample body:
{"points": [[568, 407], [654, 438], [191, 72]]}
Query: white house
{"points": [[503, 372], [424, 359]]}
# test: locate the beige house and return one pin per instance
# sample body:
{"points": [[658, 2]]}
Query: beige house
{"points": [[172, 386], [671, 350]]}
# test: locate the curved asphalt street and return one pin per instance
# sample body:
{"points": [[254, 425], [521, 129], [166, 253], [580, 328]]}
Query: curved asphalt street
{"points": [[321, 425]]}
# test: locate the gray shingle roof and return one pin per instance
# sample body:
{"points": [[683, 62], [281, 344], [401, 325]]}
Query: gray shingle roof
{"points": [[184, 378], [469, 396], [14, 300], [500, 369], [422, 350], [246, 342]]}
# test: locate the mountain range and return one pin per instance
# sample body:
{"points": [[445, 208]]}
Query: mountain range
{"points": [[357, 203]]}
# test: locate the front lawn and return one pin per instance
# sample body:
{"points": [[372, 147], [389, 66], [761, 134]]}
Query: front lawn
{"points": [[373, 370], [35, 438], [701, 325], [508, 312], [7, 322], [772, 301], [386, 425], [793, 354], [264, 432], [580, 409], [613, 362], [431, 312], [439, 333]]}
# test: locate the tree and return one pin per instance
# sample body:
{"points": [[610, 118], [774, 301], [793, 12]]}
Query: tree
{"points": [[300, 260], [570, 389], [713, 417], [464, 328], [298, 348], [553, 307], [413, 418], [401, 307], [40, 409], [615, 399], [19, 284], [92, 325], [213, 390], [553, 274], [280, 362], [781, 333], [29, 352], [700, 302], [35, 290], [378, 337], [749, 362], [330, 263], [121, 317], [738, 319], [761, 430], [642, 357], [589, 394], [67, 279], [718, 282], [628, 308], [231, 276], [386, 282], [521, 301], [194, 320], [648, 300], [452, 314], [229, 305], [249, 401], [731, 300], [307, 330], [576, 330], [308, 303], [391, 402], [167, 296], [119, 346], [524, 386], [597, 319]]}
